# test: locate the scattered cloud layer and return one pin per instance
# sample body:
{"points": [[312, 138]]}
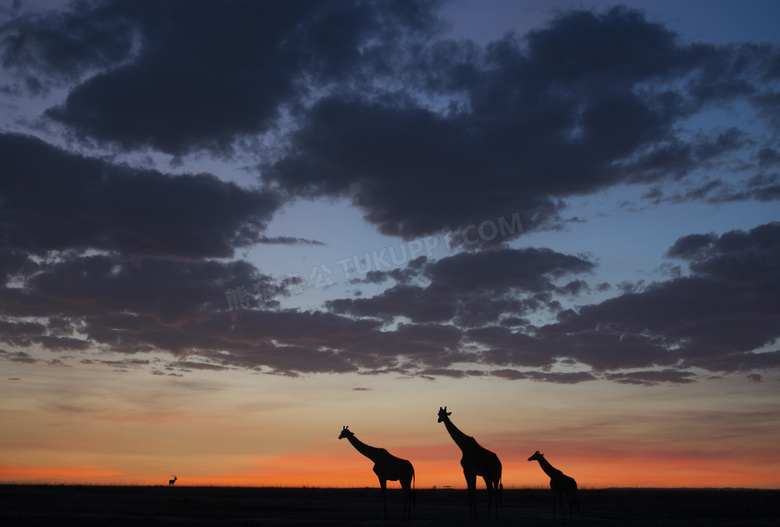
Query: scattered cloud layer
{"points": [[371, 101]]}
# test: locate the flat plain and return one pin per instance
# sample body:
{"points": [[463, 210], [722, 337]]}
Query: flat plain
{"points": [[117, 506]]}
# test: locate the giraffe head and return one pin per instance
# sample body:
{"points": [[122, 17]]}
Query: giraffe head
{"points": [[345, 433], [443, 414], [536, 457]]}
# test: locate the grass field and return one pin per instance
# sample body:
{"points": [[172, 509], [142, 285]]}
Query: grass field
{"points": [[75, 505]]}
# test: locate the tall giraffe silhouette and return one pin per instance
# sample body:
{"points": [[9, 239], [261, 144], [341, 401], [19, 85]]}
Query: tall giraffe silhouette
{"points": [[476, 461], [387, 467], [560, 484]]}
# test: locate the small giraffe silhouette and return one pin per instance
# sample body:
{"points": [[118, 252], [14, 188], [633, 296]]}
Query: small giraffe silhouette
{"points": [[560, 484], [387, 467], [172, 481], [476, 461]]}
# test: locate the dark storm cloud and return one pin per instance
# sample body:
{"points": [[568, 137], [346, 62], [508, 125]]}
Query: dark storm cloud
{"points": [[504, 347], [761, 187], [184, 75], [651, 378], [141, 307], [288, 240], [19, 356], [110, 299], [412, 171], [473, 288], [50, 49], [719, 318], [51, 199], [167, 290], [20, 333], [528, 269], [15, 263], [768, 157], [735, 258], [287, 342], [358, 100], [591, 101], [411, 301], [61, 343], [559, 378]]}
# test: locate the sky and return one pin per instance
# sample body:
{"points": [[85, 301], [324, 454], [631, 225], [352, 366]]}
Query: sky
{"points": [[230, 229]]}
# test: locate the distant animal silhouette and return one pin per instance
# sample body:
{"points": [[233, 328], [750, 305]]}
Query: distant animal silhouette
{"points": [[387, 467], [561, 485], [476, 461], [172, 481]]}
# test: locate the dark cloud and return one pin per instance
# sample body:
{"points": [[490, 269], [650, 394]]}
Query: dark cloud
{"points": [[761, 187], [718, 318], [188, 365], [52, 200], [527, 269], [444, 372], [473, 288], [288, 240], [653, 377], [362, 100], [768, 157], [110, 299], [166, 290], [55, 47], [735, 258], [18, 356], [14, 263], [187, 75], [61, 343], [559, 378], [502, 347], [591, 101], [413, 302]]}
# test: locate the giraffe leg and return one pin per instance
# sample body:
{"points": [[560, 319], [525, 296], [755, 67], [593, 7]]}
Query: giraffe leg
{"points": [[471, 483], [491, 489], [577, 503], [561, 507], [571, 509], [407, 486], [497, 492], [383, 483]]}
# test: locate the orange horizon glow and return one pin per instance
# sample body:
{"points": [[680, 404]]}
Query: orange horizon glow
{"points": [[146, 431], [355, 472]]}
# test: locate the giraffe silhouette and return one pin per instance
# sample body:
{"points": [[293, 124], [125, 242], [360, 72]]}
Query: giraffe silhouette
{"points": [[387, 467], [172, 481], [560, 484], [476, 461]]}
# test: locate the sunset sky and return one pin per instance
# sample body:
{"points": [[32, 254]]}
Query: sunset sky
{"points": [[229, 229]]}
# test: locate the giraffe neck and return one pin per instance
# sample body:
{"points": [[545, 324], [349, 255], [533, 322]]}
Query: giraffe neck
{"points": [[462, 440], [548, 468], [370, 452]]}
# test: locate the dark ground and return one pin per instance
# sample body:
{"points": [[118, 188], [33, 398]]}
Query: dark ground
{"points": [[75, 505]]}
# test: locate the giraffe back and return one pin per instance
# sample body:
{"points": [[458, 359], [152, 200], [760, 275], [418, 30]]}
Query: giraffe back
{"points": [[393, 468], [563, 483], [481, 461]]}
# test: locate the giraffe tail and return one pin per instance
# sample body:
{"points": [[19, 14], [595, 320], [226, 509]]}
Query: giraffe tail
{"points": [[500, 492]]}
